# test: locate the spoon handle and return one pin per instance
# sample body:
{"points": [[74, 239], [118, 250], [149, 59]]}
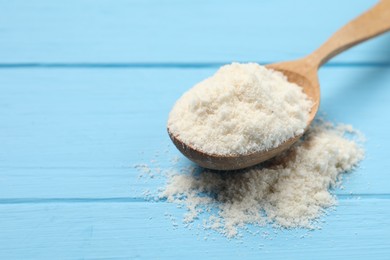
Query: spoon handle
{"points": [[368, 25]]}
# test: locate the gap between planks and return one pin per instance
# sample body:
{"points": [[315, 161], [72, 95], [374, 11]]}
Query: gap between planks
{"points": [[161, 65], [141, 199]]}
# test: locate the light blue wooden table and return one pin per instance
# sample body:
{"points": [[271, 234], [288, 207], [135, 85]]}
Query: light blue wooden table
{"points": [[85, 90]]}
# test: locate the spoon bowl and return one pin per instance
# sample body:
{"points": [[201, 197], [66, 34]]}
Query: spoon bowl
{"points": [[240, 161], [302, 72]]}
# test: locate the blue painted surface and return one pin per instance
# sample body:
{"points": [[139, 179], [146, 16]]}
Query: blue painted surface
{"points": [[85, 90]]}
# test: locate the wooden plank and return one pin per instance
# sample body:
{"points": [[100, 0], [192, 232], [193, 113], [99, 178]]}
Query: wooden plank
{"points": [[78, 133], [69, 137], [358, 230], [103, 31]]}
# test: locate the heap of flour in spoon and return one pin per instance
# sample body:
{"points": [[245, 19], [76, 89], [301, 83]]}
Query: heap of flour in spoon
{"points": [[244, 108]]}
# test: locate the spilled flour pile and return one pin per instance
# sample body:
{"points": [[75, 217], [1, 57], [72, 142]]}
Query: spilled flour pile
{"points": [[242, 108], [291, 190]]}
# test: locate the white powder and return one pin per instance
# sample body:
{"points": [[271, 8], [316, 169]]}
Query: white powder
{"points": [[291, 190], [241, 109]]}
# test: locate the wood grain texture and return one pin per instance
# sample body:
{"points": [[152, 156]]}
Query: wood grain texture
{"points": [[96, 124], [89, 96], [45, 31], [142, 231]]}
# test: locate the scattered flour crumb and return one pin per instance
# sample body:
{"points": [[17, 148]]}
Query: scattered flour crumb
{"points": [[144, 168], [175, 159]]}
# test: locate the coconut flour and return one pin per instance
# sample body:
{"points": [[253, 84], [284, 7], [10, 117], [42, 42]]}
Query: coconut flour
{"points": [[243, 108]]}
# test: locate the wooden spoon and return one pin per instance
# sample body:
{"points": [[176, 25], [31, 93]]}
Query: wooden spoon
{"points": [[303, 72]]}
